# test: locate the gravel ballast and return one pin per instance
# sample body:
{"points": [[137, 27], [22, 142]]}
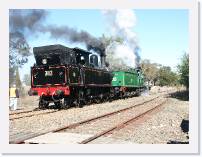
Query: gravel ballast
{"points": [[161, 127]]}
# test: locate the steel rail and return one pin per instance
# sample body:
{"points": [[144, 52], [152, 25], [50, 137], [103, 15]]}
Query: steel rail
{"points": [[15, 113], [31, 115], [121, 125]]}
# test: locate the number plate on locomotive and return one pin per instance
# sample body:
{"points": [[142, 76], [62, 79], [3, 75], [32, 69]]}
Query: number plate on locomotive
{"points": [[49, 73]]}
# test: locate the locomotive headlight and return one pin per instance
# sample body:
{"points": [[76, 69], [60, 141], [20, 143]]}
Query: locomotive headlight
{"points": [[44, 61]]}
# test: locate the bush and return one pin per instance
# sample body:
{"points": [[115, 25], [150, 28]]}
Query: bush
{"points": [[183, 69]]}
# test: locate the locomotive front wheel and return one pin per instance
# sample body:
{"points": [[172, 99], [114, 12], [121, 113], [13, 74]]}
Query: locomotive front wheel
{"points": [[42, 103], [57, 105], [81, 99], [63, 103], [66, 103]]}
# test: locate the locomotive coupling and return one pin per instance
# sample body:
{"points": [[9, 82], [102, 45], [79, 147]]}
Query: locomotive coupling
{"points": [[32, 92], [59, 92]]}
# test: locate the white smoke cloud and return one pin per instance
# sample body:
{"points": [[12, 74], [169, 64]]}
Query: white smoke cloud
{"points": [[121, 24], [122, 54]]}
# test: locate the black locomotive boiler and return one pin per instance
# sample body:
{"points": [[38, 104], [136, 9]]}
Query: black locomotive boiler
{"points": [[69, 76]]}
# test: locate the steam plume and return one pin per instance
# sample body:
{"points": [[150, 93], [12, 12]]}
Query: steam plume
{"points": [[23, 22], [26, 21], [121, 24], [72, 35]]}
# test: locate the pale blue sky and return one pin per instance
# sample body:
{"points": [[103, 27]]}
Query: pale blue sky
{"points": [[162, 34]]}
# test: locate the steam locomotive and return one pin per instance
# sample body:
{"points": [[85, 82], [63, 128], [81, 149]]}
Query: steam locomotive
{"points": [[72, 76]]}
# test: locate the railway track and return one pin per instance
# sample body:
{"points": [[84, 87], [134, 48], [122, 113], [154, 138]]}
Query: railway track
{"points": [[33, 113], [20, 112], [74, 125], [121, 125]]}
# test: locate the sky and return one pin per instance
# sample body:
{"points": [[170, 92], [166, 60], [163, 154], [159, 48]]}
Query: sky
{"points": [[162, 35]]}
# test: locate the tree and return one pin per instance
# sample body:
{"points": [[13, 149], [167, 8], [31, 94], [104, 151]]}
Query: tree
{"points": [[18, 81], [183, 69], [150, 71], [11, 76], [157, 74], [27, 79], [19, 51], [167, 77]]}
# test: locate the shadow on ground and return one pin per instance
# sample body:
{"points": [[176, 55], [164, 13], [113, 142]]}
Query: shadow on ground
{"points": [[181, 95], [177, 142], [185, 125], [185, 128]]}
